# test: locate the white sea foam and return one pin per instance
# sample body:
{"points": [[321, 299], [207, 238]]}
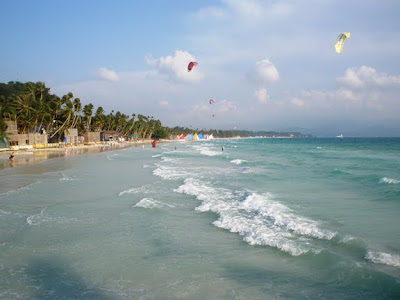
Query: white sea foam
{"points": [[258, 218], [389, 180], [112, 156], [145, 189], [207, 150], [347, 238], [3, 212], [43, 218], [238, 161], [66, 178], [168, 159], [156, 155], [170, 173], [384, 258], [151, 203], [19, 190]]}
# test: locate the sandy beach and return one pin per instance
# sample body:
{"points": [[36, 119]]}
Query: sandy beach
{"points": [[29, 156]]}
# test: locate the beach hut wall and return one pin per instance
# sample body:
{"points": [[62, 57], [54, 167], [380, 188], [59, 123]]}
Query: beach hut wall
{"points": [[92, 137]]}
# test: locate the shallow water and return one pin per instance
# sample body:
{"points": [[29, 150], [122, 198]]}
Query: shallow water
{"points": [[263, 219]]}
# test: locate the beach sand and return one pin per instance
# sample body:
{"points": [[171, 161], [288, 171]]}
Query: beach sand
{"points": [[24, 157]]}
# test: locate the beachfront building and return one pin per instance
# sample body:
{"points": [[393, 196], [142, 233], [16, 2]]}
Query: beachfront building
{"points": [[111, 136], [92, 137], [24, 140], [71, 137]]}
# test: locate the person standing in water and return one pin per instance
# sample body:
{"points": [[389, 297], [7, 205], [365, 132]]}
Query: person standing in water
{"points": [[12, 156]]}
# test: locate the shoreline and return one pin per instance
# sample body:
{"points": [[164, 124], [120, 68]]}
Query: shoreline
{"points": [[23, 157], [31, 156]]}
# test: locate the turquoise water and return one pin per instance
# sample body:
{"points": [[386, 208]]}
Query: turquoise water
{"points": [[263, 219]]}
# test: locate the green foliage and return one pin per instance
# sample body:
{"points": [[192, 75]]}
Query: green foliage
{"points": [[159, 133], [34, 108]]}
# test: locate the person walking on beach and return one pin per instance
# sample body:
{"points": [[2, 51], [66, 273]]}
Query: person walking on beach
{"points": [[12, 156], [12, 159]]}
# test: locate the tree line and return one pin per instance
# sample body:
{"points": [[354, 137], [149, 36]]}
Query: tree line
{"points": [[35, 109]]}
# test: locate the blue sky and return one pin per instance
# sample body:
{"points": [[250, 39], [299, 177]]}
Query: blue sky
{"points": [[269, 65]]}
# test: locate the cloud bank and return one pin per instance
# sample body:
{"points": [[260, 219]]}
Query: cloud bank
{"points": [[107, 74], [174, 67]]}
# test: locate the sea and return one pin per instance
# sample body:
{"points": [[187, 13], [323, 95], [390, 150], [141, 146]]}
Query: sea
{"points": [[257, 218]]}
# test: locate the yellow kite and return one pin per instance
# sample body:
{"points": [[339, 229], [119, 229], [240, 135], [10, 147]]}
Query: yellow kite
{"points": [[340, 41]]}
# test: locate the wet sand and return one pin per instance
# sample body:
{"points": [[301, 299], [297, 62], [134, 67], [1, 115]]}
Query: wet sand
{"points": [[25, 157]]}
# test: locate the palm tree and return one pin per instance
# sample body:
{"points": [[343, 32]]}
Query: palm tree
{"points": [[25, 113], [129, 126], [67, 113], [99, 119], [55, 104], [3, 125], [139, 124], [88, 111], [77, 112]]}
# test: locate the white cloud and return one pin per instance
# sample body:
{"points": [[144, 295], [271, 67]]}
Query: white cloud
{"points": [[257, 8], [327, 97], [225, 105], [347, 95], [351, 78], [262, 95], [164, 103], [175, 67], [361, 76], [249, 7], [297, 101], [265, 71], [107, 74]]}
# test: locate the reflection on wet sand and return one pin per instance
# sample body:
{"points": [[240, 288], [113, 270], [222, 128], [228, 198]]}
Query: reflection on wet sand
{"points": [[28, 157]]}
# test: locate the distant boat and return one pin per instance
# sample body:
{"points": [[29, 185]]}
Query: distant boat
{"points": [[340, 136]]}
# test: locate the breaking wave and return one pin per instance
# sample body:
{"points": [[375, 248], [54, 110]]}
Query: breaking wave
{"points": [[258, 218], [384, 258], [238, 161], [151, 203], [389, 180]]}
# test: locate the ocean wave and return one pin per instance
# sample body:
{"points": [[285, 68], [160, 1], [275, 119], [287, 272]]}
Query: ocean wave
{"points": [[3, 212], [20, 190], [238, 161], [170, 173], [145, 189], [43, 218], [389, 180], [384, 258], [258, 218], [207, 150], [151, 203], [66, 178], [168, 159]]}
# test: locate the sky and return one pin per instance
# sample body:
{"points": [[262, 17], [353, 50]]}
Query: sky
{"points": [[269, 65]]}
